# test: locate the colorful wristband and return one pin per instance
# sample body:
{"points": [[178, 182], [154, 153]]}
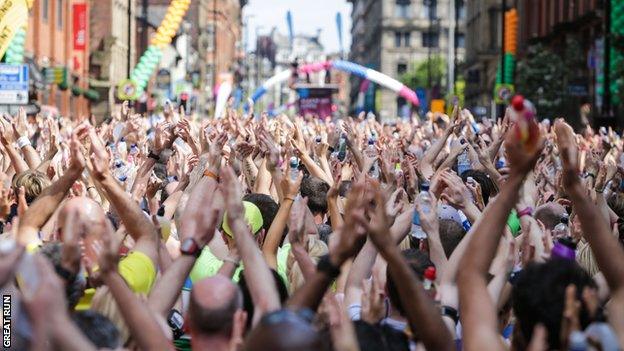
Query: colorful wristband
{"points": [[526, 212]]}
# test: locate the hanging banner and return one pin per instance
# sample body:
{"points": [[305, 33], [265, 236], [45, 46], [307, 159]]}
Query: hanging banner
{"points": [[13, 16], [79, 11]]}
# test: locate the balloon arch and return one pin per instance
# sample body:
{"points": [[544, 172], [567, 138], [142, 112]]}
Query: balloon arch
{"points": [[345, 66]]}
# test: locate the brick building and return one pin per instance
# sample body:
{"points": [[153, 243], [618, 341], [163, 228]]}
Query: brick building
{"points": [[112, 47], [51, 42], [563, 26], [392, 36]]}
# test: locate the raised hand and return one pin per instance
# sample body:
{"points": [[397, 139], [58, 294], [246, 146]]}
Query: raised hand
{"points": [[77, 162], [290, 187], [103, 248], [201, 215], [163, 137], [522, 157], [232, 194], [568, 151], [296, 224], [352, 235]]}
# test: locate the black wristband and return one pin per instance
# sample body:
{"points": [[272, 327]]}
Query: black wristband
{"points": [[68, 276], [450, 312], [153, 156], [324, 265]]}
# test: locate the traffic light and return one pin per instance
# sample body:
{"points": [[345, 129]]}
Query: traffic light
{"points": [[511, 31]]}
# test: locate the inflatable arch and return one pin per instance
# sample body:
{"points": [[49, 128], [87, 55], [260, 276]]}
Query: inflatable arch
{"points": [[345, 66]]}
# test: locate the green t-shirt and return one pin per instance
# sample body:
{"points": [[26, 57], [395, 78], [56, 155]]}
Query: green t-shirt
{"points": [[513, 222], [208, 265]]}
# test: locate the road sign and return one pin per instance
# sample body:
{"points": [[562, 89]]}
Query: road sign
{"points": [[13, 84], [56, 75], [503, 92]]}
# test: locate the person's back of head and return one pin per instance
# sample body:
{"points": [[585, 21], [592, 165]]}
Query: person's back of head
{"points": [[539, 295], [550, 214], [283, 330], [33, 182], [369, 336], [488, 186], [212, 305], [324, 231], [315, 189], [418, 262], [267, 206], [248, 304], [451, 234], [97, 328]]}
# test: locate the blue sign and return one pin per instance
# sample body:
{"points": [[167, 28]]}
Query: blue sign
{"points": [[421, 93], [14, 84]]}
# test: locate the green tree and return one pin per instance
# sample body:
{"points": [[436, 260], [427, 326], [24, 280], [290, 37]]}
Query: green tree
{"points": [[540, 77], [418, 76]]}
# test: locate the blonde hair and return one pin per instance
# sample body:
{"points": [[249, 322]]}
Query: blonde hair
{"points": [[33, 182], [316, 249], [585, 258]]}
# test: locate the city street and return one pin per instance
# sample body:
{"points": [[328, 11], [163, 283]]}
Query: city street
{"points": [[328, 175]]}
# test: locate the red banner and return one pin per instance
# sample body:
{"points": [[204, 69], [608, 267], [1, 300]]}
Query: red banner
{"points": [[80, 26]]}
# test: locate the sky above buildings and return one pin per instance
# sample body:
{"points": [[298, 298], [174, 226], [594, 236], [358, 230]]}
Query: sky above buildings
{"points": [[308, 16]]}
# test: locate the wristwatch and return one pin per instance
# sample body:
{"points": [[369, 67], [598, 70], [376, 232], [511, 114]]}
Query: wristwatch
{"points": [[324, 265], [450, 312], [190, 247], [154, 156]]}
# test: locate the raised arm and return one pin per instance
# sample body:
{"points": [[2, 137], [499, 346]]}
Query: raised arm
{"points": [[198, 223], [477, 309], [290, 189], [299, 144], [48, 312], [48, 201], [426, 164], [606, 248], [138, 225], [144, 328], [19, 165], [351, 237], [422, 313], [257, 272]]}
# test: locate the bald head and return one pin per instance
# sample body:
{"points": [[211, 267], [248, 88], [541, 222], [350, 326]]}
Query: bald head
{"points": [[214, 301], [86, 212], [270, 333], [550, 214]]}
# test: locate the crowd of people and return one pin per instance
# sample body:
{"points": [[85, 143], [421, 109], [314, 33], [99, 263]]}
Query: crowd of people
{"points": [[296, 233]]}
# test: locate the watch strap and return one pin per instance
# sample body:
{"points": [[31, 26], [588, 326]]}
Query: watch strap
{"points": [[450, 312], [324, 265], [154, 156]]}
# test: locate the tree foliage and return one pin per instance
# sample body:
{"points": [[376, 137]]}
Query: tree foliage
{"points": [[540, 78], [418, 76]]}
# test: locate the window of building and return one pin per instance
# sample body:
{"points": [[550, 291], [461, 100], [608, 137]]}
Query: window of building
{"points": [[430, 9], [59, 14], [402, 8], [460, 40], [401, 68], [44, 9], [461, 9], [402, 39], [430, 39]]}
